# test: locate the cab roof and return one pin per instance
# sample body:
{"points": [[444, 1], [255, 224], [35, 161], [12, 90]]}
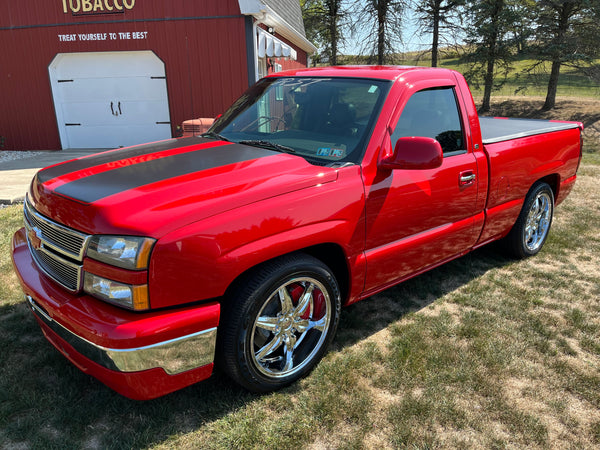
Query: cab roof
{"points": [[379, 72]]}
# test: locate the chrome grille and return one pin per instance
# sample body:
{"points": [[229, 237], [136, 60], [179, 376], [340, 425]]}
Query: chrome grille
{"points": [[63, 239], [57, 250], [65, 273]]}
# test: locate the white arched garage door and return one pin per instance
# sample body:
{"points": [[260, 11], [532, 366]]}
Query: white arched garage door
{"points": [[110, 99]]}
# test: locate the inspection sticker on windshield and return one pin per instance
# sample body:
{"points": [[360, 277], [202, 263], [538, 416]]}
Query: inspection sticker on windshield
{"points": [[331, 152]]}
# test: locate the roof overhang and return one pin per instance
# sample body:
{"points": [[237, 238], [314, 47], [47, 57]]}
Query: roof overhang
{"points": [[265, 15]]}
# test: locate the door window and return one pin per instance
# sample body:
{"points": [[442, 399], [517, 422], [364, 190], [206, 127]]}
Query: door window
{"points": [[433, 113]]}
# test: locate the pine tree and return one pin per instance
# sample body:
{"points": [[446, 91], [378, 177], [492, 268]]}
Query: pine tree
{"points": [[324, 21], [437, 16], [491, 47], [383, 20], [566, 34]]}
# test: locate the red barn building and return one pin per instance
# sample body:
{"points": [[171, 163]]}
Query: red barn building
{"points": [[110, 73]]}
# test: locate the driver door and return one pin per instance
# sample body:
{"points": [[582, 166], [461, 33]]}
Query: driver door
{"points": [[419, 218]]}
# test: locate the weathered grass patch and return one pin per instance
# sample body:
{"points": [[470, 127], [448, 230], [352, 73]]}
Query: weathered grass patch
{"points": [[10, 219]]}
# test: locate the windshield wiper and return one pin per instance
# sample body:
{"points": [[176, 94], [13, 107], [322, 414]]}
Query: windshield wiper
{"points": [[269, 145], [212, 134]]}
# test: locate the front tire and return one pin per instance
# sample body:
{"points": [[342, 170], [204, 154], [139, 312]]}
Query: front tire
{"points": [[278, 322], [530, 232]]}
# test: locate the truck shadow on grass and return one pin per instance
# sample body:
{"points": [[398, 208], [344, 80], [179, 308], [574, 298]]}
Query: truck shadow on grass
{"points": [[46, 402], [371, 315]]}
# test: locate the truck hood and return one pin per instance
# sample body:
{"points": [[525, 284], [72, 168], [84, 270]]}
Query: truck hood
{"points": [[152, 189]]}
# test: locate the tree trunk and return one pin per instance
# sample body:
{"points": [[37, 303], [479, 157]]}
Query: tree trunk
{"points": [[380, 32], [436, 34], [492, 54], [565, 13], [333, 7], [488, 82], [552, 86]]}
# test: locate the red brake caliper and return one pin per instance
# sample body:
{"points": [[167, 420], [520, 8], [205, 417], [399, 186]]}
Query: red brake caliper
{"points": [[318, 301]]}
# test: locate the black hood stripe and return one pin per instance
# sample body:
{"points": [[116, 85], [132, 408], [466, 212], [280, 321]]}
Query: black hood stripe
{"points": [[110, 156], [104, 184]]}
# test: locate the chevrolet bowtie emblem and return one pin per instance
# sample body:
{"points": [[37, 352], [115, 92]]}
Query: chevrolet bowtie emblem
{"points": [[35, 237]]}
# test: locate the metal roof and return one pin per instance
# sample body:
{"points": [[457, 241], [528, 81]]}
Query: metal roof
{"points": [[285, 16], [290, 11]]}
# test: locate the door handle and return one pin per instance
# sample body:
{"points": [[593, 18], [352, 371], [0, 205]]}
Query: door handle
{"points": [[466, 178], [113, 111]]}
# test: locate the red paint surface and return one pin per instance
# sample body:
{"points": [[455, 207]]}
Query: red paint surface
{"points": [[144, 385], [204, 55], [391, 225]]}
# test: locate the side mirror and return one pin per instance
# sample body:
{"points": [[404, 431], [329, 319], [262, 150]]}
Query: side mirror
{"points": [[414, 153]]}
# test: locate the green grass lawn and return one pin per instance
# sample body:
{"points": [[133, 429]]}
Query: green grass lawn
{"points": [[483, 352], [521, 79]]}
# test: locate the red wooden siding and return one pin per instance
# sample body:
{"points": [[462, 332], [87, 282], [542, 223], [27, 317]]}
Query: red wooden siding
{"points": [[18, 13], [202, 43], [288, 64], [213, 75]]}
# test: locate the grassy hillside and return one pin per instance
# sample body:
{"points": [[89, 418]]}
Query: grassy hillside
{"points": [[523, 93], [523, 79]]}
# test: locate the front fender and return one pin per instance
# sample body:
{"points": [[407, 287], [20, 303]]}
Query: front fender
{"points": [[199, 261]]}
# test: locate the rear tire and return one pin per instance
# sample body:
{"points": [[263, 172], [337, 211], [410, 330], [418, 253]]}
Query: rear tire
{"points": [[529, 233], [277, 324]]}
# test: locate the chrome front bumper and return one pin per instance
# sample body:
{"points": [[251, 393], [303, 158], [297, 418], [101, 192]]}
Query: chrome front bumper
{"points": [[173, 356]]}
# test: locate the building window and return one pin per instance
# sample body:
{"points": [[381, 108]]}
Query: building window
{"points": [[262, 68]]}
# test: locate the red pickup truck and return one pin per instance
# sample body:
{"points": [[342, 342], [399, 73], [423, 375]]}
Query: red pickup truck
{"points": [[319, 187]]}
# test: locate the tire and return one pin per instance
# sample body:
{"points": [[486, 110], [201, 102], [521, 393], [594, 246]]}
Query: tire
{"points": [[277, 324], [529, 233]]}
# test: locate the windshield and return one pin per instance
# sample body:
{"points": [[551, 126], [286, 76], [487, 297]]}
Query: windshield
{"points": [[324, 120]]}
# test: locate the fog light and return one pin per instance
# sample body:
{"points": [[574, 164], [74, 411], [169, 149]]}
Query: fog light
{"points": [[134, 297]]}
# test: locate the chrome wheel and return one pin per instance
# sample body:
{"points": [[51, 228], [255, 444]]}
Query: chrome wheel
{"points": [[529, 233], [278, 321], [538, 221], [291, 327]]}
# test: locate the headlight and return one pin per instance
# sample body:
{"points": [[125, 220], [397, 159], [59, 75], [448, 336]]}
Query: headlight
{"points": [[133, 297], [128, 252]]}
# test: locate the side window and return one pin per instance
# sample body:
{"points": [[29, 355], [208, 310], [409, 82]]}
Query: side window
{"points": [[432, 113]]}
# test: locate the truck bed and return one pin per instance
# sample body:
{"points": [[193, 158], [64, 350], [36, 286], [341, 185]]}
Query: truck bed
{"points": [[499, 129]]}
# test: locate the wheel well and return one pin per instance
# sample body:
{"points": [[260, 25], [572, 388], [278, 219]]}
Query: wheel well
{"points": [[331, 255], [551, 180]]}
